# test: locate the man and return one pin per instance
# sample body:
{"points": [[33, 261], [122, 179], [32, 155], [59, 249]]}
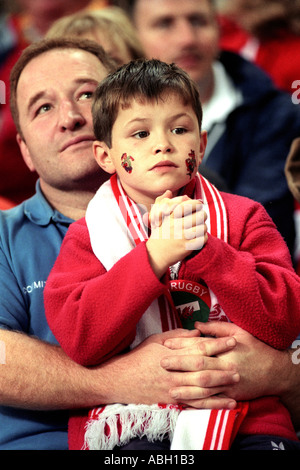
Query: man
{"points": [[250, 124], [51, 89]]}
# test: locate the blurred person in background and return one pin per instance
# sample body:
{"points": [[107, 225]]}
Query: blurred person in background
{"points": [[110, 27], [23, 22]]}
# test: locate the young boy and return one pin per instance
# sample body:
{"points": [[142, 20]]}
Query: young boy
{"points": [[207, 255]]}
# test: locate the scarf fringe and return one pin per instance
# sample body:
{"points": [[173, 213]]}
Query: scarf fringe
{"points": [[129, 422]]}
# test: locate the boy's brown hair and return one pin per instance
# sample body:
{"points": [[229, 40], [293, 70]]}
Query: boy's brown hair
{"points": [[142, 80], [45, 45]]}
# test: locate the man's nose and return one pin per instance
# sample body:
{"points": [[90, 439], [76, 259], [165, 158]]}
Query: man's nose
{"points": [[70, 116], [185, 32]]}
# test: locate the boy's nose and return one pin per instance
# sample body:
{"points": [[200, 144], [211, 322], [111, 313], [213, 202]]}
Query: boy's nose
{"points": [[163, 144], [163, 149]]}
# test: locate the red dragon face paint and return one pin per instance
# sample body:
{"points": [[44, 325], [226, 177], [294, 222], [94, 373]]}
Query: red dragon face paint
{"points": [[191, 163], [126, 162]]}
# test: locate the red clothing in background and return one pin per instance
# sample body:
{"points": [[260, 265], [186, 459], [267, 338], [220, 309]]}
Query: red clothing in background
{"points": [[278, 56]]}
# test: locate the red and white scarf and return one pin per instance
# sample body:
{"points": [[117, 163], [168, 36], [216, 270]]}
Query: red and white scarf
{"points": [[115, 227]]}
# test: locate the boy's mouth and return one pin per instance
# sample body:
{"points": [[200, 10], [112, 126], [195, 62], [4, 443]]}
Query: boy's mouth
{"points": [[163, 164]]}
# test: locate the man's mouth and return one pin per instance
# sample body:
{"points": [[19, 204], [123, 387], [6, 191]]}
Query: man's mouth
{"points": [[77, 140], [189, 59]]}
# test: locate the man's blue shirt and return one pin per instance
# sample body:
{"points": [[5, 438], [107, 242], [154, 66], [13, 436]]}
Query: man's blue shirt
{"points": [[30, 239]]}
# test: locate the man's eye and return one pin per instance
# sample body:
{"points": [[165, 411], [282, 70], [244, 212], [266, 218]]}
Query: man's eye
{"points": [[198, 21], [43, 109], [141, 134], [164, 23], [86, 95]]}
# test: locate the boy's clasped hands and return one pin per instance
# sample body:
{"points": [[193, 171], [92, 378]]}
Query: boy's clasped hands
{"points": [[177, 229]]}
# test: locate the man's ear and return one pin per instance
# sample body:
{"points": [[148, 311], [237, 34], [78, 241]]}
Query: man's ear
{"points": [[102, 156], [25, 153], [203, 143]]}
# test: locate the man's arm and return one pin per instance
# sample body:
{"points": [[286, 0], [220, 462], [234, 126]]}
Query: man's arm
{"points": [[37, 375]]}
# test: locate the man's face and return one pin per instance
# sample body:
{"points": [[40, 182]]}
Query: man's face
{"points": [[54, 100], [183, 32]]}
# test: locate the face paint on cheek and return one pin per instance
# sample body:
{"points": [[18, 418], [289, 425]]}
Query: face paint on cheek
{"points": [[191, 163], [126, 162]]}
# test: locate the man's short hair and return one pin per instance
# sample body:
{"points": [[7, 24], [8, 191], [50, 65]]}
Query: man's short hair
{"points": [[45, 45], [145, 80]]}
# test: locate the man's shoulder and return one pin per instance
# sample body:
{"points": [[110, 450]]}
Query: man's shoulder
{"points": [[9, 218]]}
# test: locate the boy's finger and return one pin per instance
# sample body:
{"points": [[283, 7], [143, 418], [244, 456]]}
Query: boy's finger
{"points": [[187, 207]]}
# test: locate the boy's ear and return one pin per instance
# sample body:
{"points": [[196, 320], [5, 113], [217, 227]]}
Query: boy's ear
{"points": [[203, 143], [102, 156]]}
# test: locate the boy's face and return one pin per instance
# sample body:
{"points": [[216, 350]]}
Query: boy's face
{"points": [[156, 146]]}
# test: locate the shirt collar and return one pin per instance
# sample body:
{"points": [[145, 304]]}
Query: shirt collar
{"points": [[226, 97], [38, 210]]}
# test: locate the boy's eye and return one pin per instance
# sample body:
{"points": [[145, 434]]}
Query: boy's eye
{"points": [[179, 130], [141, 134]]}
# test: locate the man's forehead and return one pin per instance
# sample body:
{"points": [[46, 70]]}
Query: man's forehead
{"points": [[61, 65], [47, 61], [172, 7], [56, 62]]}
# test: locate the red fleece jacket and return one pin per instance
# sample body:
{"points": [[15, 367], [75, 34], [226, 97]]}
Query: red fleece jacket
{"points": [[251, 276]]}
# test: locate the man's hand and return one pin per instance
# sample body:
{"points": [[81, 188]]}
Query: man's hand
{"points": [[159, 371], [201, 374], [259, 365]]}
